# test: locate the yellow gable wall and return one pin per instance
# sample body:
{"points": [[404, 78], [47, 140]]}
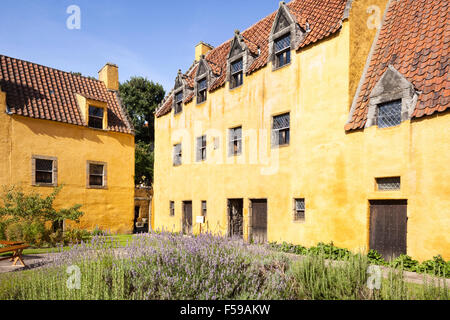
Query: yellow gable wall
{"points": [[333, 170], [109, 209]]}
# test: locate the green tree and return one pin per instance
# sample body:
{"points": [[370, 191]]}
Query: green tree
{"points": [[141, 98]]}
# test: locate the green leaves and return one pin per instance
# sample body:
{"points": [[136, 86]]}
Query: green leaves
{"points": [[19, 206], [141, 97]]}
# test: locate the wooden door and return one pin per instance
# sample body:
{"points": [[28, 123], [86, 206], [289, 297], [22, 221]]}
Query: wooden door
{"points": [[388, 227], [236, 218], [187, 217], [259, 221]]}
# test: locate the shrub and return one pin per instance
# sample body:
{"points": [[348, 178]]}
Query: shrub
{"points": [[14, 232], [405, 262], [376, 258], [3, 226], [438, 266], [75, 236]]}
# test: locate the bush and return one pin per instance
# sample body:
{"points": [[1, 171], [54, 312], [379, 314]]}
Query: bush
{"points": [[405, 262], [376, 258], [23, 216], [14, 232], [75, 236], [316, 279], [3, 226]]}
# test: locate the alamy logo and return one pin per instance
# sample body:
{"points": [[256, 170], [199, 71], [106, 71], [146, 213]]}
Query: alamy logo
{"points": [[374, 280], [374, 21], [74, 281], [74, 20]]}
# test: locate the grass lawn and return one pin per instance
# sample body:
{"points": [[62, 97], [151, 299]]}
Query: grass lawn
{"points": [[121, 239]]}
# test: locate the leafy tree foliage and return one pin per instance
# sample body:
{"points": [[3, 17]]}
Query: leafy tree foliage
{"points": [[19, 206], [141, 98]]}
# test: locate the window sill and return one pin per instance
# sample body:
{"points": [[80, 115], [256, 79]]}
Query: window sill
{"points": [[97, 188], [299, 221], [201, 103], [283, 66], [235, 88], [45, 185], [280, 146]]}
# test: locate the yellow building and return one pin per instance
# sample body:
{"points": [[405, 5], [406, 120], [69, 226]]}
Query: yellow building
{"points": [[60, 128], [325, 121]]}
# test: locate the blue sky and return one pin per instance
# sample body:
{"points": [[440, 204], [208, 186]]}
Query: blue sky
{"points": [[146, 38]]}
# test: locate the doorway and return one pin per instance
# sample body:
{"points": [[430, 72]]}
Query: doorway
{"points": [[388, 227], [236, 218], [259, 220], [187, 217]]}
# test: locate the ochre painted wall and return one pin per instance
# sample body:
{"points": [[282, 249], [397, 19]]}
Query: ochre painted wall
{"points": [[365, 20], [333, 170], [109, 209]]}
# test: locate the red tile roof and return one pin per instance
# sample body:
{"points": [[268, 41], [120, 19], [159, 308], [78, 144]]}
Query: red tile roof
{"points": [[415, 40], [41, 92], [323, 16]]}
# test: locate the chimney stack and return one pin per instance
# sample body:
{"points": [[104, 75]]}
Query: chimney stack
{"points": [[202, 49], [109, 74]]}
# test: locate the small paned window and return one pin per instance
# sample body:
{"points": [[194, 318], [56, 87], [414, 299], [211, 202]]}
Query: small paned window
{"points": [[283, 51], [237, 74], [388, 184], [204, 208], [44, 172], [177, 155], [97, 175], [178, 102], [202, 87], [390, 114], [201, 148], [235, 144], [96, 117], [281, 130], [172, 208], [299, 210]]}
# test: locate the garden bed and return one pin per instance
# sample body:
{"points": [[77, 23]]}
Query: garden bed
{"points": [[167, 266]]}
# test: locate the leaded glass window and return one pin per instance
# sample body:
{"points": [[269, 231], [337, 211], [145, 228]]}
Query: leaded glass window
{"points": [[283, 51], [44, 171], [299, 210], [281, 130], [389, 114], [95, 117], [201, 148], [202, 86], [388, 184], [237, 73], [235, 142], [178, 102], [177, 155]]}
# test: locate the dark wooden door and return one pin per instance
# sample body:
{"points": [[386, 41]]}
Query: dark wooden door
{"points": [[187, 217], [388, 227], [236, 218], [259, 221]]}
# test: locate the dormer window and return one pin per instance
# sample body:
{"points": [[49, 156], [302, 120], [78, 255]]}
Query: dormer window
{"points": [[237, 73], [389, 114], [96, 116], [202, 87], [282, 51], [178, 102]]}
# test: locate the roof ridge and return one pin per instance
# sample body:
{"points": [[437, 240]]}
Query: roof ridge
{"points": [[51, 68]]}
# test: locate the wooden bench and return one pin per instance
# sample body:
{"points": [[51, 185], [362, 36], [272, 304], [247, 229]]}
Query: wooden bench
{"points": [[16, 250]]}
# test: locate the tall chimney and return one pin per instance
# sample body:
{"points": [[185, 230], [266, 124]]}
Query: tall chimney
{"points": [[202, 49], [109, 74]]}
